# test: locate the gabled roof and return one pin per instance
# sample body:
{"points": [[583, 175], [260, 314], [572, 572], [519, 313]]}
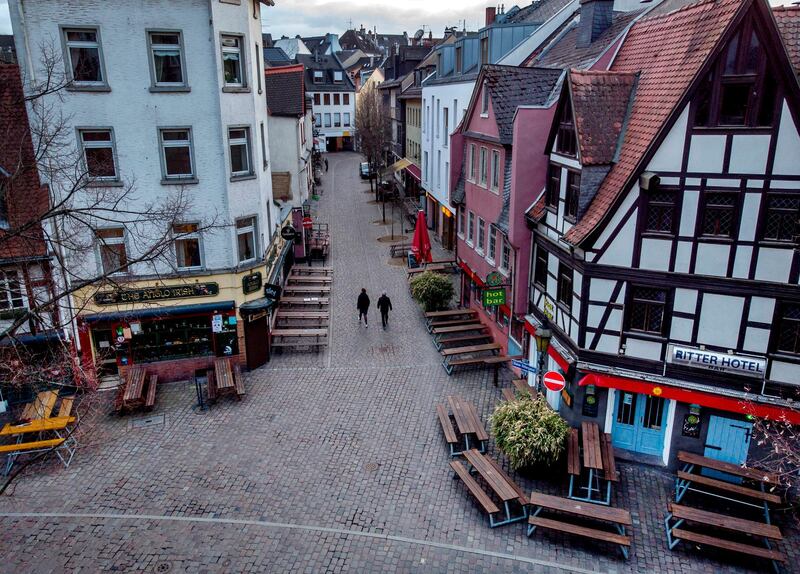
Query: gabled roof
{"points": [[788, 19], [276, 57], [538, 11], [600, 104], [511, 87], [328, 65], [669, 51], [285, 90]]}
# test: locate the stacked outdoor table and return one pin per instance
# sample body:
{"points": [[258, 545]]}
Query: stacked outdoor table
{"points": [[303, 318]]}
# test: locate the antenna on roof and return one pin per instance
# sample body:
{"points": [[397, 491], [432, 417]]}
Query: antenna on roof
{"points": [[350, 24]]}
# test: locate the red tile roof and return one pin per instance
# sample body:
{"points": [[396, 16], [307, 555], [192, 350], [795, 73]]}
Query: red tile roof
{"points": [[668, 51], [788, 19], [600, 102]]}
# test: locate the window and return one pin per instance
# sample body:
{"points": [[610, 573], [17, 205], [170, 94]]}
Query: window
{"points": [[646, 309], [176, 153], [470, 227], [246, 238], [553, 190], [485, 50], [485, 100], [439, 169], [337, 120], [741, 89], [540, 268], [446, 124], [327, 120], [99, 155], [484, 167], [111, 245], [239, 144], [336, 99], [166, 51], [326, 99], [459, 59], [187, 246], [10, 290], [505, 258], [720, 213], [461, 218], [233, 65], [318, 120], [788, 338], [573, 193], [425, 165], [317, 100], [481, 234], [564, 295], [492, 244], [346, 99], [661, 212], [84, 57], [473, 164], [566, 143], [318, 76], [495, 170], [781, 217], [337, 77], [346, 120], [259, 69], [264, 159]]}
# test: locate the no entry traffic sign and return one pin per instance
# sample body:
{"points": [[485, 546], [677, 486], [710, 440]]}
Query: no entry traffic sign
{"points": [[554, 381]]}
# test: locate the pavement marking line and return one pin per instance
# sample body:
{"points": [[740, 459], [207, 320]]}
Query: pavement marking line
{"points": [[290, 526]]}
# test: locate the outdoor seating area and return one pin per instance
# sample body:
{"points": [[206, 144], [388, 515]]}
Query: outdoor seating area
{"points": [[37, 431], [138, 391], [225, 379], [318, 242], [303, 318], [468, 426], [596, 467]]}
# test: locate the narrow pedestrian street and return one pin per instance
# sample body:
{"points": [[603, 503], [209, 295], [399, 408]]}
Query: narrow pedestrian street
{"points": [[333, 462]]}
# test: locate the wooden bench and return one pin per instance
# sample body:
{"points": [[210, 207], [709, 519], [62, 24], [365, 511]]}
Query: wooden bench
{"points": [[431, 316], [472, 485], [291, 290], [523, 387], [282, 314], [308, 270], [449, 323], [607, 456], [512, 497], [310, 279], [683, 514], [211, 386], [617, 517], [399, 249], [573, 455], [238, 381], [65, 409], [508, 394], [297, 338], [150, 401], [41, 407], [304, 301], [468, 423], [13, 451], [461, 340], [450, 435], [449, 362]]}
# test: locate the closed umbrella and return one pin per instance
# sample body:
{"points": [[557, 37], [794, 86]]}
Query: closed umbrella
{"points": [[421, 245]]}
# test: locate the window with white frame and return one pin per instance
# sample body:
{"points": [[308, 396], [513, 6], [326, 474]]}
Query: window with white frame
{"points": [[259, 69], [246, 239], [461, 222], [176, 153], [188, 252], [346, 121], [473, 163], [470, 227], [264, 159], [318, 77], [112, 251], [11, 296], [446, 124], [233, 65], [483, 167], [425, 164], [337, 77], [481, 235], [495, 170], [337, 120], [505, 258], [84, 57], [485, 100], [239, 144], [327, 120], [98, 154], [166, 59], [336, 99], [492, 244], [318, 120]]}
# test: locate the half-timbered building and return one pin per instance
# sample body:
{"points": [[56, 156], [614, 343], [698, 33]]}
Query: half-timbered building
{"points": [[664, 256]]}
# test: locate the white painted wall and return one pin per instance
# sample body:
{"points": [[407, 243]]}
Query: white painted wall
{"points": [[322, 109], [289, 154]]}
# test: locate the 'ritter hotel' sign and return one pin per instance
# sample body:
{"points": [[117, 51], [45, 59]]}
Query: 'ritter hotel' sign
{"points": [[746, 366]]}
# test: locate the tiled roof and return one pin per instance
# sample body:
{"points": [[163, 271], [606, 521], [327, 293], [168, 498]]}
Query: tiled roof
{"points": [[502, 220], [511, 87], [600, 103], [564, 52], [536, 211], [276, 57], [669, 51], [788, 18], [539, 11], [328, 65], [285, 91]]}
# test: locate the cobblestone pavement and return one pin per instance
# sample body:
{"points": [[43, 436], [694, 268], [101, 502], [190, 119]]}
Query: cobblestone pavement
{"points": [[332, 463]]}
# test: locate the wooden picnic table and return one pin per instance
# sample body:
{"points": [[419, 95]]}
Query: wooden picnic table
{"points": [[432, 316], [598, 460], [300, 333], [38, 425], [448, 322], [304, 301], [618, 517], [460, 328], [468, 421], [752, 489], [502, 486], [471, 349], [310, 279], [41, 406], [307, 270], [450, 362], [227, 379], [292, 289]]}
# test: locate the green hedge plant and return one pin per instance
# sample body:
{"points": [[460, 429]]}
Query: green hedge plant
{"points": [[432, 290], [529, 432]]}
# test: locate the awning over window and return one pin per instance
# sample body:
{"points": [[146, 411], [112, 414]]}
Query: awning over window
{"points": [[399, 164], [414, 172], [160, 312], [252, 307], [730, 404]]}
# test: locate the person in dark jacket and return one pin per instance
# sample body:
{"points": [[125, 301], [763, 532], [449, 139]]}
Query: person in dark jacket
{"points": [[384, 306], [363, 307], [326, 165]]}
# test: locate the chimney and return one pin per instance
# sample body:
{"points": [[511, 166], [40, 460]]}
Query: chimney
{"points": [[491, 13], [596, 17]]}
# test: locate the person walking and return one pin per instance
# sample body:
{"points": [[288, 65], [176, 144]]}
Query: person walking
{"points": [[384, 306], [363, 306], [326, 165]]}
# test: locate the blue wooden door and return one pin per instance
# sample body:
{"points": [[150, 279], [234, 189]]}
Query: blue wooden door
{"points": [[639, 423], [728, 440]]}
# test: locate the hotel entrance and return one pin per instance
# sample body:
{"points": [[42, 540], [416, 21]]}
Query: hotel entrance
{"points": [[639, 423]]}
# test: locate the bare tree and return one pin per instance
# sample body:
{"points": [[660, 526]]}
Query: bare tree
{"points": [[373, 129]]}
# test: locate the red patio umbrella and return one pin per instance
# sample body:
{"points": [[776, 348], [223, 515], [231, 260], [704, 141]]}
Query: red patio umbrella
{"points": [[421, 245]]}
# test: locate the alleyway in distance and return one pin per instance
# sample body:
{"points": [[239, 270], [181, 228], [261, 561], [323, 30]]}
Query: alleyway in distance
{"points": [[333, 462]]}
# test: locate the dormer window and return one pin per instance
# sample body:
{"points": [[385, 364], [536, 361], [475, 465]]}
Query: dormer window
{"points": [[337, 77], [566, 143], [485, 100], [317, 76], [741, 89], [459, 59]]}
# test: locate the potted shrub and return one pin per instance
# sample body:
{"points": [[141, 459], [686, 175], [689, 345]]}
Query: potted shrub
{"points": [[433, 291], [529, 432]]}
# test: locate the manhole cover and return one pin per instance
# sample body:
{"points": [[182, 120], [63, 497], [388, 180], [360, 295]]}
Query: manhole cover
{"points": [[147, 422], [371, 467], [163, 567]]}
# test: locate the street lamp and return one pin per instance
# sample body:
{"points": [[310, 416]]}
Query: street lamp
{"points": [[543, 336]]}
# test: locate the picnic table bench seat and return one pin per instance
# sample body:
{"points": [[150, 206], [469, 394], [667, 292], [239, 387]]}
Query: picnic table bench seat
{"points": [[477, 355], [292, 289], [500, 485], [508, 394], [449, 322], [41, 406], [730, 487], [467, 327], [211, 386], [607, 457], [31, 446], [461, 339], [309, 280], [597, 458], [449, 313], [65, 408], [573, 453], [238, 381], [150, 401], [304, 301], [450, 435], [472, 485], [310, 270]]}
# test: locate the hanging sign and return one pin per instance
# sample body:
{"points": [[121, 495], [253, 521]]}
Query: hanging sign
{"points": [[494, 297], [494, 279], [308, 223], [251, 283], [156, 293], [272, 291], [549, 309], [754, 367], [523, 366], [288, 232], [554, 381], [216, 324]]}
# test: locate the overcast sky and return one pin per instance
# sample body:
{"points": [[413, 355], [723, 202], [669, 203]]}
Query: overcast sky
{"points": [[315, 17]]}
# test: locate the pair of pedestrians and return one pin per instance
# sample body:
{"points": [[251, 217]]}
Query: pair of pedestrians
{"points": [[384, 306]]}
